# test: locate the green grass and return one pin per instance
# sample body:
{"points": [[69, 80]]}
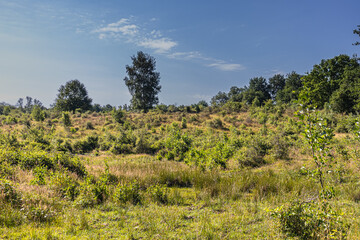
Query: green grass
{"points": [[76, 196]]}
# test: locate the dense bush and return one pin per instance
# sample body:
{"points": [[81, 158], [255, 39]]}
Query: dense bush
{"points": [[88, 144], [118, 115], [311, 220], [175, 145], [8, 194], [66, 186], [128, 193]]}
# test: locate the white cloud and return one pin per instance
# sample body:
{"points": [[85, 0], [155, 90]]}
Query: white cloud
{"points": [[154, 39], [120, 26], [124, 28], [209, 62], [156, 33], [227, 66], [186, 55], [160, 45]]}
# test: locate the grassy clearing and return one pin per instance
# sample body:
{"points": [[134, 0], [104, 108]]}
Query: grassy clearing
{"points": [[216, 176]]}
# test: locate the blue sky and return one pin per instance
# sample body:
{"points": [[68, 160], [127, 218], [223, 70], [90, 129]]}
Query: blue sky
{"points": [[201, 47]]}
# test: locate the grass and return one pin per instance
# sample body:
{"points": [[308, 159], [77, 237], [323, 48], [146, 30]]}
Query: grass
{"points": [[177, 200]]}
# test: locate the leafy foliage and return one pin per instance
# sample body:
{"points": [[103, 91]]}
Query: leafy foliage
{"points": [[143, 82], [128, 193], [73, 95], [176, 144], [312, 220], [315, 218], [334, 79]]}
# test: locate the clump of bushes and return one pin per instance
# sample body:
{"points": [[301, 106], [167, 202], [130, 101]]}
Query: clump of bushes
{"points": [[175, 145], [128, 193], [88, 144]]}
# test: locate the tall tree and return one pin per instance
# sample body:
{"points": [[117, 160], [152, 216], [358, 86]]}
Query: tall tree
{"points": [[143, 82], [71, 96], [293, 84], [20, 103], [276, 84], [236, 94], [258, 89], [327, 77], [347, 97], [219, 99]]}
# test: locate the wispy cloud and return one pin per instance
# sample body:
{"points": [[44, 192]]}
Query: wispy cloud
{"points": [[161, 45], [133, 33], [207, 61], [121, 27], [227, 66], [187, 55]]}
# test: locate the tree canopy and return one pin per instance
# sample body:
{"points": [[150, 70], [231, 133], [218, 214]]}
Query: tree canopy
{"points": [[143, 82], [73, 95], [333, 80]]}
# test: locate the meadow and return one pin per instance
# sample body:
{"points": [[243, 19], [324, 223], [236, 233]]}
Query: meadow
{"points": [[209, 173]]}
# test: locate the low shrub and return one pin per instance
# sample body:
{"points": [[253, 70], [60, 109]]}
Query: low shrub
{"points": [[39, 174], [8, 194], [311, 220], [158, 193], [88, 144], [66, 186], [128, 193], [89, 126]]}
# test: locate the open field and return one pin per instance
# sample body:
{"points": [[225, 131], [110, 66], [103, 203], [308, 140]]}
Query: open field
{"points": [[181, 175]]}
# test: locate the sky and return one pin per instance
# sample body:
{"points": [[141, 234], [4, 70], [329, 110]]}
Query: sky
{"points": [[201, 47]]}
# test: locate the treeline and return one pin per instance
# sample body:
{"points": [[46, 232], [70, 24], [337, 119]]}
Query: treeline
{"points": [[334, 83], [278, 88]]}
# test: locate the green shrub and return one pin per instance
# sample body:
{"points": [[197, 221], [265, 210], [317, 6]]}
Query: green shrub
{"points": [[183, 123], [92, 192], [118, 115], [9, 140], [70, 163], [10, 217], [32, 159], [37, 136], [66, 119], [128, 193], [6, 170], [142, 143], [38, 114], [89, 126], [11, 120], [8, 194], [6, 110], [66, 186], [280, 146], [158, 193], [39, 214], [86, 145], [62, 145], [215, 123], [176, 144], [120, 148], [39, 174], [311, 220]]}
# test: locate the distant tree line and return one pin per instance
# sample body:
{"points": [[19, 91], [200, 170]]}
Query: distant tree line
{"points": [[279, 88], [333, 82]]}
